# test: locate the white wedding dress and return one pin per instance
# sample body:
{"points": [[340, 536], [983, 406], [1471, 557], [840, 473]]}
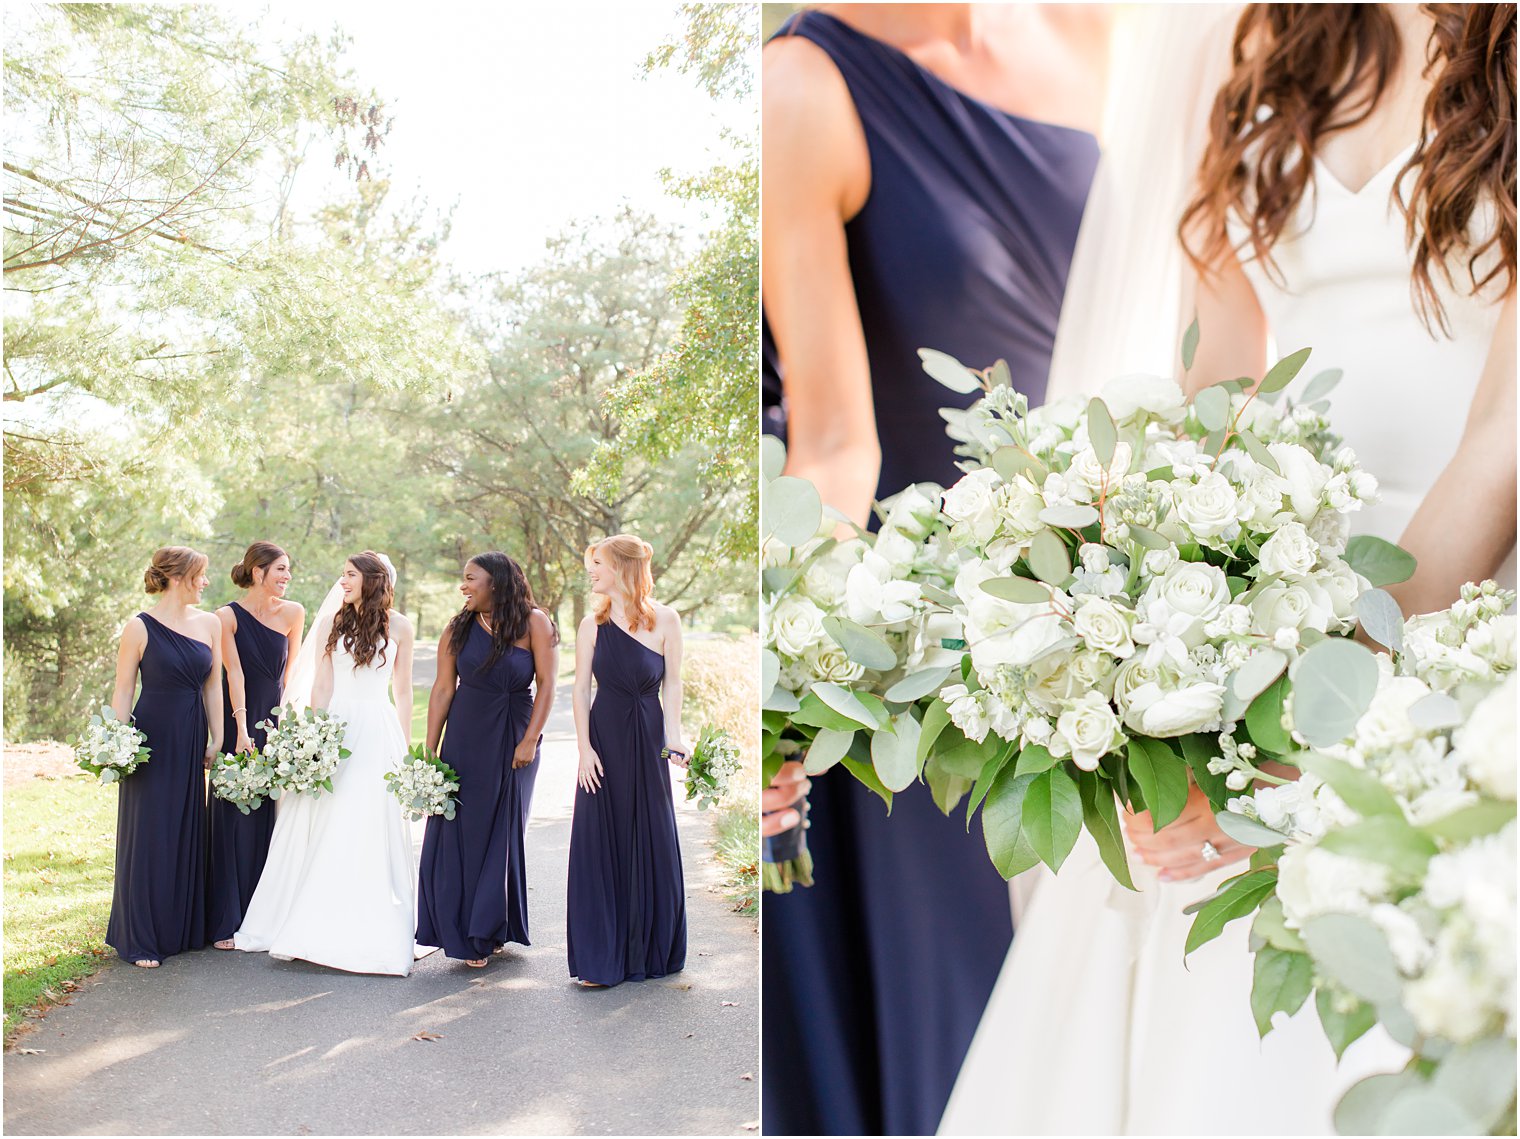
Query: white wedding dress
{"points": [[338, 886], [1096, 1026]]}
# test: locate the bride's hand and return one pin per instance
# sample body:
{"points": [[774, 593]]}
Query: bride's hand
{"points": [[590, 774], [779, 801], [525, 751], [1176, 850]]}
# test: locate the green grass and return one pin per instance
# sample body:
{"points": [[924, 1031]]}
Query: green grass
{"points": [[738, 851], [60, 846]]}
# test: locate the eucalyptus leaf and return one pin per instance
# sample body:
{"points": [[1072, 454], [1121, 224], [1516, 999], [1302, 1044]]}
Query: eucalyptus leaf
{"points": [[1333, 684], [828, 748], [950, 371], [999, 374], [1212, 406], [1011, 462], [772, 457], [1481, 1077], [893, 752], [1380, 618], [1247, 831], [1380, 562], [1074, 516], [939, 596], [780, 700], [864, 646], [1435, 712], [1101, 431], [1363, 792], [1258, 451], [1048, 558], [1018, 589], [1190, 344], [770, 670], [790, 510], [1281, 374], [1271, 926], [1424, 1109], [1485, 817], [1386, 839], [1362, 1108], [846, 703], [1321, 385], [1147, 539], [1253, 678], [1352, 952], [917, 685]]}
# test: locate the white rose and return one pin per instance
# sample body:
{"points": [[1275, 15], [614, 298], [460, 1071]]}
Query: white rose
{"points": [[1209, 507], [896, 550], [1140, 394], [1089, 730], [1094, 557], [1058, 678], [796, 625], [824, 580], [913, 510], [1092, 476], [830, 662], [1154, 711], [971, 504], [874, 597], [1289, 552], [1486, 743], [1261, 497], [928, 648], [1343, 585], [1195, 588], [1004, 632], [1299, 605], [1104, 626], [1304, 475], [1019, 505], [1330, 532], [1157, 562]]}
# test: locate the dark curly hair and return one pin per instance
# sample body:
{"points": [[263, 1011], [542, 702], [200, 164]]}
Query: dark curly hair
{"points": [[512, 605], [1320, 68], [365, 625]]}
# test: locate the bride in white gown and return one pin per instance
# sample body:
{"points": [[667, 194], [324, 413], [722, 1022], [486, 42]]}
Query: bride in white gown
{"points": [[1096, 1026], [338, 886]]}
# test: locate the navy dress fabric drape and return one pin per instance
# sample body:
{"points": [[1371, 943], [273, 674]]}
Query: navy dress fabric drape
{"points": [[240, 843], [158, 904], [473, 883], [877, 975], [627, 896]]}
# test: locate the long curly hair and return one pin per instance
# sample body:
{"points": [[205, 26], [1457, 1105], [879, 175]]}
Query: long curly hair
{"points": [[1319, 68], [512, 605], [364, 626], [630, 558]]}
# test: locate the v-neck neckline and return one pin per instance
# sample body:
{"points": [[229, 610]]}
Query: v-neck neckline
{"points": [[1397, 160]]}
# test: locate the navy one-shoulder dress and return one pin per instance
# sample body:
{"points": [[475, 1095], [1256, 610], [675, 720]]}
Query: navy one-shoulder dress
{"points": [[240, 843], [158, 905], [473, 885], [876, 977], [627, 896]]}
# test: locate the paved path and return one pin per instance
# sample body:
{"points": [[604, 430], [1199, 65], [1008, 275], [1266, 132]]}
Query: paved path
{"points": [[230, 1043]]}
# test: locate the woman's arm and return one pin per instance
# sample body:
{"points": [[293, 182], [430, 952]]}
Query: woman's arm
{"points": [[589, 773], [1232, 329], [237, 686], [322, 683], [670, 687], [401, 675], [293, 631], [816, 176], [545, 673], [1465, 527], [134, 639], [211, 690], [441, 697]]}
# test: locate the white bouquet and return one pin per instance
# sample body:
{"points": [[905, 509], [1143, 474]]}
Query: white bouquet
{"points": [[713, 761], [425, 785], [110, 749], [1393, 893], [303, 751], [245, 780]]}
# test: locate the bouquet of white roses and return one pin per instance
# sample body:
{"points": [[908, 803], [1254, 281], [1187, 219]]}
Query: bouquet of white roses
{"points": [[713, 760], [110, 749], [425, 785], [1392, 897], [303, 751], [244, 779]]}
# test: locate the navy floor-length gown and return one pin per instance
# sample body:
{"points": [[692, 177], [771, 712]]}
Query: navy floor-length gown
{"points": [[627, 897], [876, 976], [240, 843], [158, 904], [473, 885]]}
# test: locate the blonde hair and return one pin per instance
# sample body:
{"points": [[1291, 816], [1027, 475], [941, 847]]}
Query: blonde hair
{"points": [[171, 562], [630, 557]]}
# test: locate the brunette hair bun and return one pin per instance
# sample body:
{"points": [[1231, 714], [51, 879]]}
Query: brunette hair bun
{"points": [[260, 555], [170, 562], [155, 580]]}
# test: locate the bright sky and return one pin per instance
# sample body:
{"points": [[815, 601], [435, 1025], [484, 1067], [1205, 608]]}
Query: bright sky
{"points": [[529, 116]]}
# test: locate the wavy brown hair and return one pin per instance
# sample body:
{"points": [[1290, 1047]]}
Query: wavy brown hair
{"points": [[363, 626], [1319, 68]]}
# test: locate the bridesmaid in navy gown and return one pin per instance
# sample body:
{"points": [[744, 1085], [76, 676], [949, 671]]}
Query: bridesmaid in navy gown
{"points": [[627, 897], [497, 662], [900, 211], [261, 637], [158, 903]]}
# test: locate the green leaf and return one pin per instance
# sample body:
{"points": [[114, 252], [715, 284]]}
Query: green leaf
{"points": [[1236, 898], [1247, 831], [1385, 839], [1212, 406], [1321, 385], [893, 749], [1010, 462], [770, 670], [1362, 1108], [936, 717], [772, 457], [1147, 539], [1198, 749], [1003, 824], [1281, 374], [1019, 589], [1481, 1077], [1162, 777], [1101, 815], [1380, 562], [867, 775], [1281, 983], [1271, 926], [1333, 684], [999, 375], [790, 510], [1485, 817], [1343, 1029], [1352, 952], [1423, 1109], [1101, 431], [915, 686], [950, 371], [1436, 711], [847, 703], [812, 712], [1053, 815], [1190, 344], [1361, 790], [865, 647], [1258, 451], [1048, 558], [1035, 759], [967, 758], [984, 780], [1379, 616], [946, 789], [828, 748], [1260, 670], [1072, 517], [1264, 719]]}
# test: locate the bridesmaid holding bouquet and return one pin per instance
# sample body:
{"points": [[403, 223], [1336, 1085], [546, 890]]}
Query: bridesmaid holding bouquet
{"points": [[158, 903], [497, 662], [627, 899], [261, 638]]}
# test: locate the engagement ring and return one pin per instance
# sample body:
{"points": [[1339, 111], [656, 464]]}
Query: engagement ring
{"points": [[1210, 852]]}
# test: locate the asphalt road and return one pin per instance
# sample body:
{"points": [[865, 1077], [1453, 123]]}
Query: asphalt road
{"points": [[218, 1043]]}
